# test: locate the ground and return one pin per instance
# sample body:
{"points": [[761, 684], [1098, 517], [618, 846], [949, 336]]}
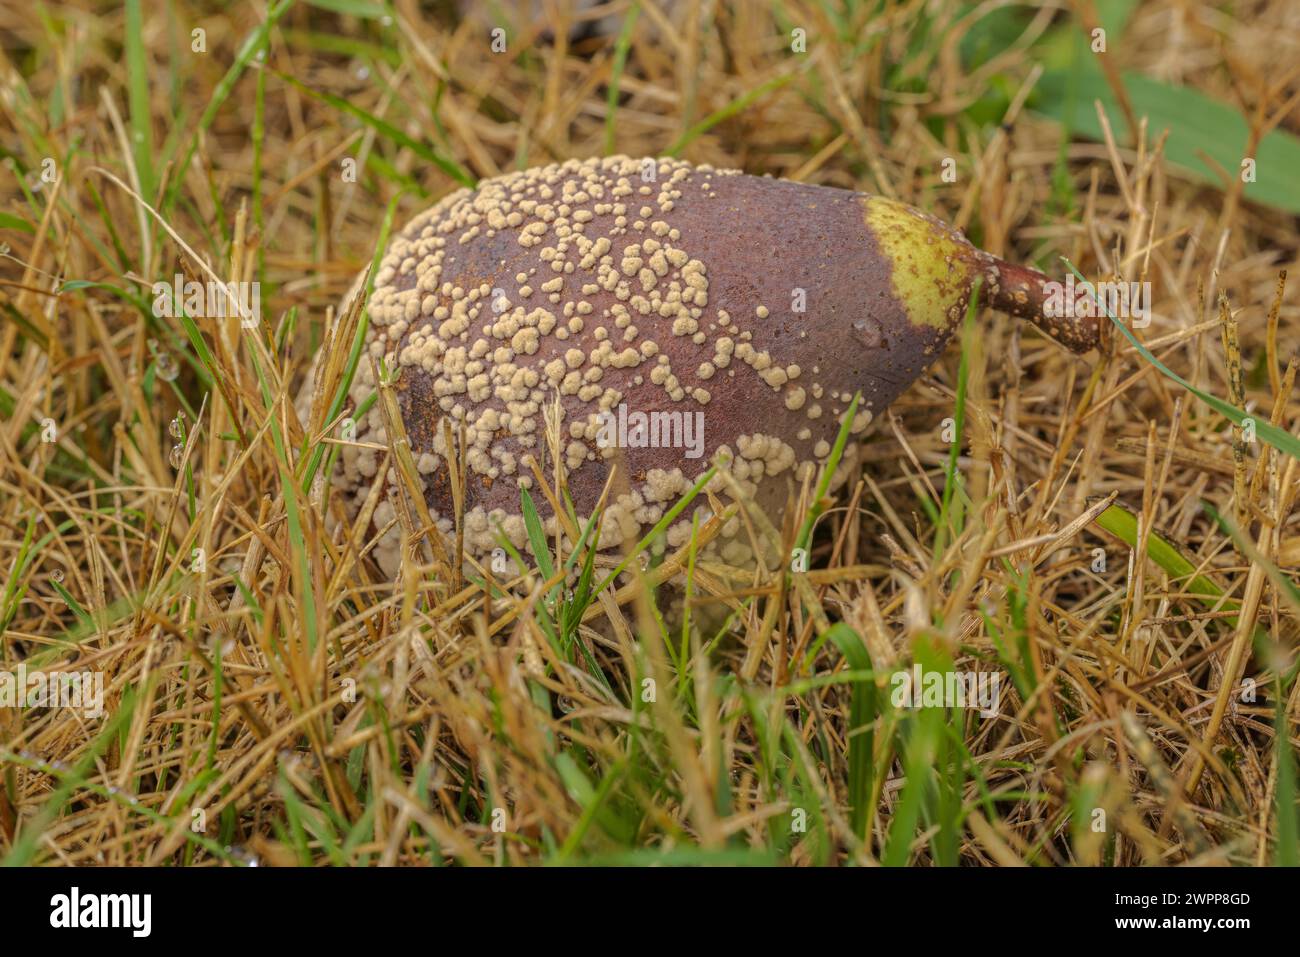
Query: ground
{"points": [[1107, 541]]}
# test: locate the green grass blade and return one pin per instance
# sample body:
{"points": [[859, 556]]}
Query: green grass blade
{"points": [[388, 131], [137, 73], [738, 105], [1280, 439], [255, 41], [621, 46], [862, 716]]}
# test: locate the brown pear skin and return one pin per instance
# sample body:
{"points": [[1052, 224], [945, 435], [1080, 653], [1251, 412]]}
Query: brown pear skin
{"points": [[746, 308]]}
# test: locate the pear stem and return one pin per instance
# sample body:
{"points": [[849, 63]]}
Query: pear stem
{"points": [[1023, 292]]}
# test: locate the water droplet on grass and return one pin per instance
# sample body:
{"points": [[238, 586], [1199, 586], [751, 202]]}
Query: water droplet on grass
{"points": [[177, 456], [167, 367]]}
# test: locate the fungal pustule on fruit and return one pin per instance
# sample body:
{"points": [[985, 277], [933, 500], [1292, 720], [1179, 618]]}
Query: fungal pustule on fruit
{"points": [[673, 312]]}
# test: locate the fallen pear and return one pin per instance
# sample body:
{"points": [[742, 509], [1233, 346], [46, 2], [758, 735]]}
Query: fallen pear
{"points": [[672, 313]]}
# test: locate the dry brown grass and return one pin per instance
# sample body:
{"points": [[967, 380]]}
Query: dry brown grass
{"points": [[1136, 710]]}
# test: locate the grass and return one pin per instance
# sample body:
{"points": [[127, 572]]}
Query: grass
{"points": [[272, 696]]}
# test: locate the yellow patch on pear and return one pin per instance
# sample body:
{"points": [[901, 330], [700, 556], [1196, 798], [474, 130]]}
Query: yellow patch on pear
{"points": [[931, 264]]}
